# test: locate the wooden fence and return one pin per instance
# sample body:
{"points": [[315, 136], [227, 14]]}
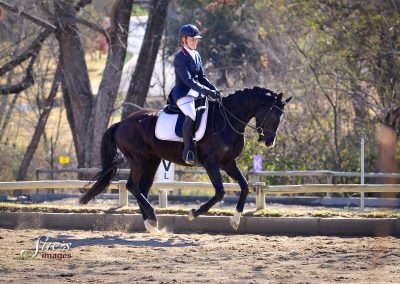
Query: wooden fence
{"points": [[329, 175], [260, 188]]}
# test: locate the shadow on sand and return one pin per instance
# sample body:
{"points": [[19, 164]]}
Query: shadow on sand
{"points": [[115, 240]]}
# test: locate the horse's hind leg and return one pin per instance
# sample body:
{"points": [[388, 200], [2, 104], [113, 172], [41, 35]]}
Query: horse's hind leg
{"points": [[147, 209], [216, 180], [234, 172], [133, 185], [146, 180]]}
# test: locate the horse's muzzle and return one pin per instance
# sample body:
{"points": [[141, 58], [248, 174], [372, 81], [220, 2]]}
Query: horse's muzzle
{"points": [[269, 144], [270, 141]]}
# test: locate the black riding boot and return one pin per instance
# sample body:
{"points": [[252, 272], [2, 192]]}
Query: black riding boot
{"points": [[188, 153]]}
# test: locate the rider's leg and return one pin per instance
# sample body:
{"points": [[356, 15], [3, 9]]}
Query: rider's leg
{"points": [[186, 105], [188, 151]]}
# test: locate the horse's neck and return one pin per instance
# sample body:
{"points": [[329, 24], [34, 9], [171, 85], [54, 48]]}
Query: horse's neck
{"points": [[242, 107]]}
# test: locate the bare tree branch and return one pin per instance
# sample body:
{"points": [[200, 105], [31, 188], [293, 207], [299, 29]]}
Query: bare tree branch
{"points": [[73, 20], [39, 129], [86, 23], [32, 50], [28, 81], [36, 20]]}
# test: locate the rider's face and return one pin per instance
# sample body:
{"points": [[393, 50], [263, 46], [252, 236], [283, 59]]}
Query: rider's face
{"points": [[191, 42]]}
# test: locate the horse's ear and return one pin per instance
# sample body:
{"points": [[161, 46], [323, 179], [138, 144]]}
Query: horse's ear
{"points": [[279, 97], [288, 100]]}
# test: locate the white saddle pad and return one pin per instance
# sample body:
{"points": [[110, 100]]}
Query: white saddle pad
{"points": [[165, 126]]}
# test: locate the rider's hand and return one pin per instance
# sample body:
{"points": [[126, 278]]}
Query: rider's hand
{"points": [[213, 94]]}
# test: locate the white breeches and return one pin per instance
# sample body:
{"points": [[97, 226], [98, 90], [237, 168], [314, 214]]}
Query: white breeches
{"points": [[186, 104]]}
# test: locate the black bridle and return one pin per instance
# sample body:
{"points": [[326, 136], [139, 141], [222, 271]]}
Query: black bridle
{"points": [[259, 129]]}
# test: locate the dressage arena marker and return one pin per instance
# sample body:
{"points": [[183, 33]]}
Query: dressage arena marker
{"points": [[165, 173]]}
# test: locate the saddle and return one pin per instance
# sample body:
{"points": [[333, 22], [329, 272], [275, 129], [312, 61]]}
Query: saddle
{"points": [[170, 121]]}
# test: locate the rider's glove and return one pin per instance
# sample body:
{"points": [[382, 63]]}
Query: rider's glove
{"points": [[213, 94]]}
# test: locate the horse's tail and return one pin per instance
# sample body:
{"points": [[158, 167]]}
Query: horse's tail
{"points": [[109, 163]]}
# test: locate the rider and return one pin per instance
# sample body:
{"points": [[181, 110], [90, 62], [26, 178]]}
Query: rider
{"points": [[190, 83]]}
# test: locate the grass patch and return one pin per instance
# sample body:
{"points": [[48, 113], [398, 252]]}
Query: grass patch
{"points": [[13, 207], [137, 10], [128, 56]]}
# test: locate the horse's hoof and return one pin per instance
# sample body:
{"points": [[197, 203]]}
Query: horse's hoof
{"points": [[235, 220], [151, 226], [191, 216]]}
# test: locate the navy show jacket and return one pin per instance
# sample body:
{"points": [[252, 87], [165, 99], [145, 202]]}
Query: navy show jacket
{"points": [[189, 74]]}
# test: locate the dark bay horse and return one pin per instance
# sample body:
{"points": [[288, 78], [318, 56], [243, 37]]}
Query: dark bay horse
{"points": [[221, 144]]}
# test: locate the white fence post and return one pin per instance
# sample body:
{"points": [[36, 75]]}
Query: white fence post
{"points": [[163, 197], [329, 180], [123, 193], [362, 195], [260, 195], [165, 172]]}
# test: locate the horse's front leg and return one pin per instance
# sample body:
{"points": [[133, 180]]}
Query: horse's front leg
{"points": [[234, 172], [216, 180]]}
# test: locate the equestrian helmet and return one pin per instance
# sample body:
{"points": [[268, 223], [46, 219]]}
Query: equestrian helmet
{"points": [[189, 30]]}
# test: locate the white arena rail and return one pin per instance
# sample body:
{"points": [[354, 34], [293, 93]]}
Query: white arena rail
{"points": [[260, 188], [309, 173], [61, 184]]}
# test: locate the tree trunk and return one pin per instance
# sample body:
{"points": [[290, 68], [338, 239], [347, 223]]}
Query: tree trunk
{"points": [[78, 98], [109, 85], [3, 107], [392, 118], [387, 155], [47, 107], [140, 82], [8, 116]]}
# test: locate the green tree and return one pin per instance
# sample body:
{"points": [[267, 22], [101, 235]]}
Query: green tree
{"points": [[347, 70]]}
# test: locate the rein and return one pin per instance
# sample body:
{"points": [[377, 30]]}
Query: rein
{"points": [[259, 129]]}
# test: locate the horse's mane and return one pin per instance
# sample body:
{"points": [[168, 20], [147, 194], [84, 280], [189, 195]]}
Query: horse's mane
{"points": [[256, 90]]}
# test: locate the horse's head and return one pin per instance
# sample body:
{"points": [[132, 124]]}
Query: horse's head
{"points": [[269, 116]]}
